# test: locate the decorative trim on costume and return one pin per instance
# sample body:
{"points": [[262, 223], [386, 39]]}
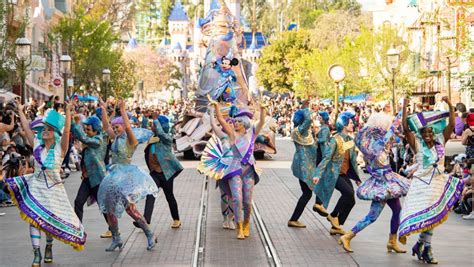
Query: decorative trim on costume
{"points": [[434, 215], [29, 216]]}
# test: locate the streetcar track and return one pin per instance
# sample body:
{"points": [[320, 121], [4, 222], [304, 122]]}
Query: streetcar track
{"points": [[200, 240]]}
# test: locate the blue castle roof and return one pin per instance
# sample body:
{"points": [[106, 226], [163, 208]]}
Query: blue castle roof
{"points": [[178, 13], [248, 44]]}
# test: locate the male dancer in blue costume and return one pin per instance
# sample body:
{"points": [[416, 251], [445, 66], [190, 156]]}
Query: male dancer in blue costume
{"points": [[338, 166]]}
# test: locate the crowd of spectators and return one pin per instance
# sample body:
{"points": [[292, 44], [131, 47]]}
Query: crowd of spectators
{"points": [[16, 153]]}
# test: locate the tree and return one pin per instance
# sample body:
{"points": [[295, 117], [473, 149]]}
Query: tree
{"points": [[151, 67], [89, 41], [125, 80], [278, 58]]}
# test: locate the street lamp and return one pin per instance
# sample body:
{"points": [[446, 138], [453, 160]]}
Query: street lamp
{"points": [[337, 74], [65, 61], [106, 79], [393, 60], [23, 53]]}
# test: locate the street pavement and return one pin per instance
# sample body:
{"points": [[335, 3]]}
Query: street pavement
{"points": [[275, 198]]}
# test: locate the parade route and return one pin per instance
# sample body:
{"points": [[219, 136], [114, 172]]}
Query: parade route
{"points": [[275, 197]]}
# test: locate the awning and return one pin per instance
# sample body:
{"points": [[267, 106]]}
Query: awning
{"points": [[6, 96], [36, 92]]}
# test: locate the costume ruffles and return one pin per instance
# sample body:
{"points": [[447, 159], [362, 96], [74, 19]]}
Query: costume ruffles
{"points": [[43, 202], [124, 184]]}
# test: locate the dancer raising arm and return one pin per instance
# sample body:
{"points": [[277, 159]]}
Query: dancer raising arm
{"points": [[432, 193], [242, 139], [44, 190]]}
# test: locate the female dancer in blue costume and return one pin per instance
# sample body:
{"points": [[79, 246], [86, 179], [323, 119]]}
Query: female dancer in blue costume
{"points": [[432, 193], [304, 161], [242, 138], [384, 186], [41, 196], [125, 184]]}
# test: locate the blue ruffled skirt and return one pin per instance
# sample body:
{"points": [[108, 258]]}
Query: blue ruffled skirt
{"points": [[383, 187], [124, 184]]}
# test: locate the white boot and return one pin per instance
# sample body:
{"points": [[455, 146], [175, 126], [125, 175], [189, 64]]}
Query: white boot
{"points": [[225, 224]]}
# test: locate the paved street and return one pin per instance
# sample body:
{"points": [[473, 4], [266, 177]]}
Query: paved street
{"points": [[271, 241]]}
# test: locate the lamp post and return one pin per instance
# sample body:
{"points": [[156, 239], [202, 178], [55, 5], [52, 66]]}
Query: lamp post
{"points": [[106, 79], [337, 74], [65, 61], [393, 60], [23, 53]]}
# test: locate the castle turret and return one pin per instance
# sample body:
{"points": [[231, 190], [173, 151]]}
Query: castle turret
{"points": [[178, 25]]}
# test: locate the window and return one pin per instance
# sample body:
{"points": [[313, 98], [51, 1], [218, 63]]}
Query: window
{"points": [[60, 5]]}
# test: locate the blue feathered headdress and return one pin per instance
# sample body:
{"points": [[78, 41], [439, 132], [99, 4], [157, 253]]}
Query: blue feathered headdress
{"points": [[298, 117], [343, 120], [324, 115]]}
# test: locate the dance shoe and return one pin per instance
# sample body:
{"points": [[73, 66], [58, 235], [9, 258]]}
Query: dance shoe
{"points": [[48, 254], [106, 234], [37, 258], [246, 228], [334, 222], [176, 224], [116, 240], [240, 231], [416, 250], [151, 238], [320, 210], [296, 224], [427, 256], [392, 244], [335, 231], [345, 241]]}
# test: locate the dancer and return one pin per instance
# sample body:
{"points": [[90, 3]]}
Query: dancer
{"points": [[225, 162], [242, 138], [432, 193], [384, 186], [323, 138], [41, 196], [338, 166], [92, 163], [125, 184], [164, 168], [304, 161]]}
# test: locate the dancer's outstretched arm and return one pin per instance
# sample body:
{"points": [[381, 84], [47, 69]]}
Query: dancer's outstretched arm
{"points": [[30, 136], [409, 135], [448, 131], [226, 126], [261, 121], [215, 128], [131, 140]]}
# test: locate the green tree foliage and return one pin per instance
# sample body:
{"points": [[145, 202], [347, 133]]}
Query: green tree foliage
{"points": [[294, 62], [89, 41], [278, 59], [165, 11]]}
